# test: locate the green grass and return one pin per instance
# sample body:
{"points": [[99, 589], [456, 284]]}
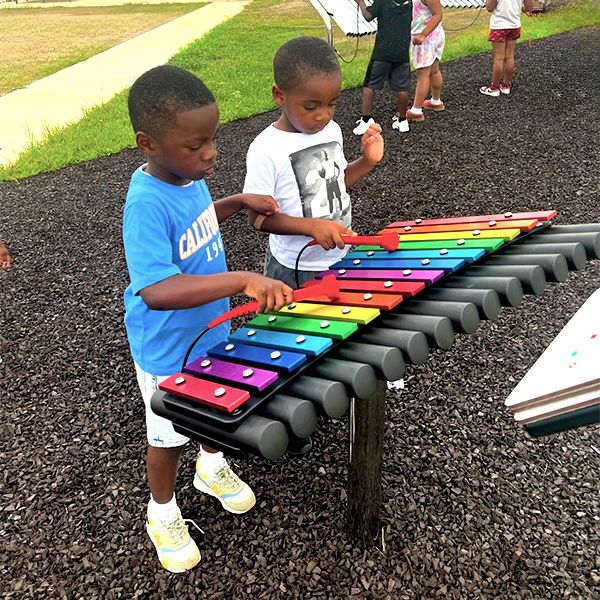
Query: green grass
{"points": [[235, 62]]}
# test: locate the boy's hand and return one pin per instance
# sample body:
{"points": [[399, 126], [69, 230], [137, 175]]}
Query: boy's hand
{"points": [[5, 259], [372, 144], [270, 293], [418, 39], [263, 205], [328, 234]]}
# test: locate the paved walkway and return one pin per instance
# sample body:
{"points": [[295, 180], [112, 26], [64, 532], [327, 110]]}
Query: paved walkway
{"points": [[63, 97]]}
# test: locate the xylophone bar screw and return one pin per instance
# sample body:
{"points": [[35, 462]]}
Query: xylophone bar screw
{"points": [[368, 296], [205, 363], [247, 373], [418, 221], [251, 332], [229, 347], [291, 306], [388, 284], [272, 318], [425, 261], [275, 355], [508, 214], [407, 228], [219, 392], [324, 324], [342, 271], [346, 310], [180, 380], [300, 339], [370, 252], [444, 251], [460, 242], [492, 223], [476, 232], [406, 272], [356, 261]]}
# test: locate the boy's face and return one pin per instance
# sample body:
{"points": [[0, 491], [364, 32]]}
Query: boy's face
{"points": [[308, 107], [185, 151]]}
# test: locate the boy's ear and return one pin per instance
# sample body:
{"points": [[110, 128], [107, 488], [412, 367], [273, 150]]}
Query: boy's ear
{"points": [[145, 143], [278, 95]]}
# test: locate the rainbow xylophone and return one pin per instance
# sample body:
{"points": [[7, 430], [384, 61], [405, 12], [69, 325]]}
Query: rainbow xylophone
{"points": [[261, 390]]}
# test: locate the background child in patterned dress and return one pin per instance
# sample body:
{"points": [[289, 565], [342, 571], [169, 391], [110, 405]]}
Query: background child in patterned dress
{"points": [[426, 48], [505, 30]]}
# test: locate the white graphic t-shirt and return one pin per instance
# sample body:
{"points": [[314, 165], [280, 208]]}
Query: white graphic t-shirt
{"points": [[305, 174]]}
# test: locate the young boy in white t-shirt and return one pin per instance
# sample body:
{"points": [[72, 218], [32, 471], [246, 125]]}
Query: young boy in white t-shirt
{"points": [[299, 160]]}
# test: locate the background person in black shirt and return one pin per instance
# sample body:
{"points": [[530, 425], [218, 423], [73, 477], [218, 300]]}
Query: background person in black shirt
{"points": [[389, 60]]}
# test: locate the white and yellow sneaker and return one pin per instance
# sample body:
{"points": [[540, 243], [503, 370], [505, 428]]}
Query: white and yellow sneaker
{"points": [[222, 483], [176, 550]]}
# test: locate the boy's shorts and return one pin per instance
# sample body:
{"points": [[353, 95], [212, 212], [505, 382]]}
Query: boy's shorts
{"points": [[396, 74], [504, 35], [159, 431], [275, 270]]}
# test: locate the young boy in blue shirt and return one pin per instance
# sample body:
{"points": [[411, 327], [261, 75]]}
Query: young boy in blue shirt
{"points": [[180, 282], [299, 160]]}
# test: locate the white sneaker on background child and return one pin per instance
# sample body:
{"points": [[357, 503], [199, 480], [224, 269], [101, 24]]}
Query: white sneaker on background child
{"points": [[362, 125], [399, 124]]}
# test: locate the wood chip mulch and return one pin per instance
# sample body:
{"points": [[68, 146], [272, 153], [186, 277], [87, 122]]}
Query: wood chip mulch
{"points": [[472, 507]]}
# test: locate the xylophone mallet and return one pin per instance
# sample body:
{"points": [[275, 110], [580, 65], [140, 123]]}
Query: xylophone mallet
{"points": [[388, 241], [328, 286]]}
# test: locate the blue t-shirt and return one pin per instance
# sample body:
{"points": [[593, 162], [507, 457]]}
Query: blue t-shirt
{"points": [[169, 230]]}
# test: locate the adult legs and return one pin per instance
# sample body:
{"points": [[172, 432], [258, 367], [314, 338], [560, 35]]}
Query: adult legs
{"points": [[436, 80], [509, 61], [499, 50]]}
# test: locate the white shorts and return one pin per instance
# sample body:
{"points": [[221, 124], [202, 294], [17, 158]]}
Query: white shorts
{"points": [[159, 430]]}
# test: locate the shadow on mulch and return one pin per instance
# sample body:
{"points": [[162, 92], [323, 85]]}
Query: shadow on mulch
{"points": [[473, 508]]}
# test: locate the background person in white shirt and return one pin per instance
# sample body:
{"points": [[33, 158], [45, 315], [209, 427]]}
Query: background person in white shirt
{"points": [[505, 30]]}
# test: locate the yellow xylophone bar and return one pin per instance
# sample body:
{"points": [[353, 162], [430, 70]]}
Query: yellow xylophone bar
{"points": [[354, 314], [505, 234]]}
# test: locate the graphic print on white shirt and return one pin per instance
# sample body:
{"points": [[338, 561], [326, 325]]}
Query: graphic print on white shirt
{"points": [[321, 183], [305, 173]]}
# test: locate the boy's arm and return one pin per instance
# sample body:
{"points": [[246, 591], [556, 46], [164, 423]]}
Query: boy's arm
{"points": [[326, 233], [159, 281], [372, 153], [366, 13], [188, 291], [230, 205], [435, 7], [490, 5]]}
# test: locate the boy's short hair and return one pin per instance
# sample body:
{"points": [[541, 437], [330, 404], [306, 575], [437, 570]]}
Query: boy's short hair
{"points": [[157, 96], [303, 57]]}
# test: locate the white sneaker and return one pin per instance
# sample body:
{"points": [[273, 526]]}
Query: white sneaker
{"points": [[400, 124], [176, 550], [235, 495], [362, 126]]}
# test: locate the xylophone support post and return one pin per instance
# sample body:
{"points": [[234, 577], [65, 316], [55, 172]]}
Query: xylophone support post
{"points": [[365, 461]]}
